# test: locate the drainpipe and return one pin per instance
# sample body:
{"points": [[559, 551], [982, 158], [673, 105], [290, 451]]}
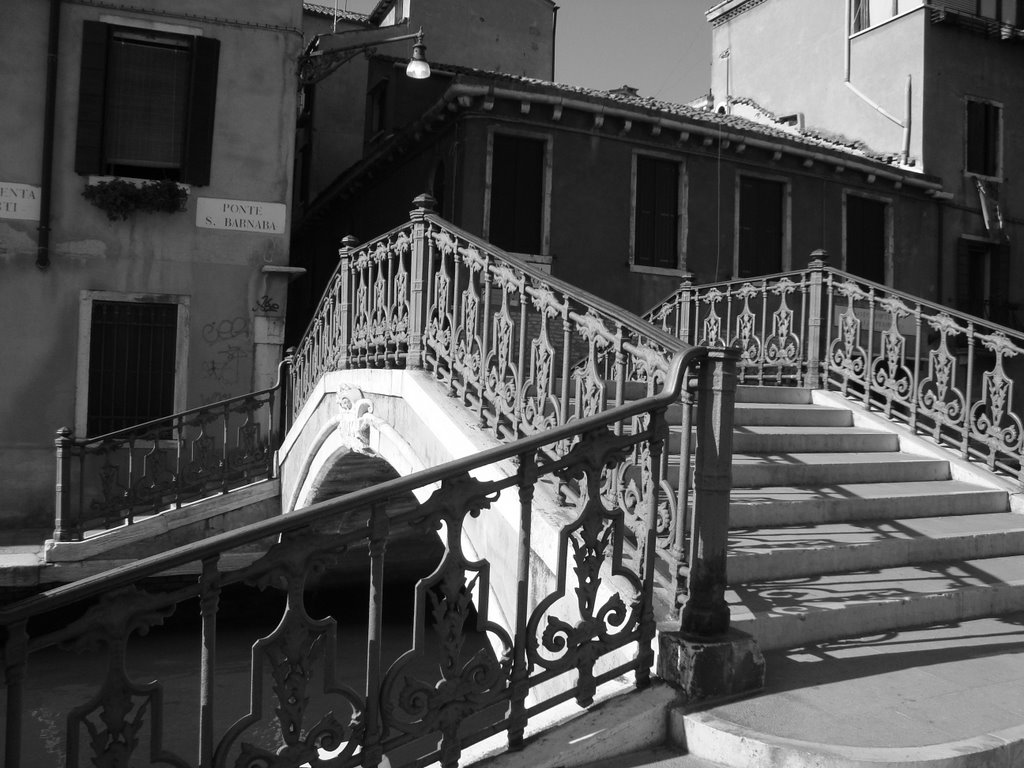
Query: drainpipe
{"points": [[46, 182], [907, 121], [554, 30]]}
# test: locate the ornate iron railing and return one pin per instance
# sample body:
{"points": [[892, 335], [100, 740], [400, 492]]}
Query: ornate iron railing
{"points": [[524, 351], [944, 373], [109, 480], [593, 619]]}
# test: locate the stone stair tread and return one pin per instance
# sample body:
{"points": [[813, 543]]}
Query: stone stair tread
{"points": [[848, 491], [782, 597], [782, 429], [842, 458], [752, 393], [768, 540]]}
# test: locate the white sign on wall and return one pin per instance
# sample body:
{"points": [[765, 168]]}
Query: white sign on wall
{"points": [[19, 201], [240, 215]]}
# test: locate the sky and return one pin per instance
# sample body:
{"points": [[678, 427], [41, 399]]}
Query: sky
{"points": [[661, 47]]}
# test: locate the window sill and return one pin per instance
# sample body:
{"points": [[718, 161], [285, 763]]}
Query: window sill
{"points": [[983, 177], [666, 271]]}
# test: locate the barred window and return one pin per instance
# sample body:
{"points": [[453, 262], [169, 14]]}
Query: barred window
{"points": [[131, 363]]}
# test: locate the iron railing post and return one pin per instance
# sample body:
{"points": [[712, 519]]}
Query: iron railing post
{"points": [[424, 204], [706, 612], [63, 531], [816, 309], [685, 308], [348, 244]]}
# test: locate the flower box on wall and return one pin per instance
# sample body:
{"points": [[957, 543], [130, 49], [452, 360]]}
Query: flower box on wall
{"points": [[120, 198]]}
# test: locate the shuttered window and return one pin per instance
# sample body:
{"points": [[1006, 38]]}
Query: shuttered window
{"points": [[146, 104], [866, 237], [131, 364], [982, 280], [517, 194], [984, 129], [656, 226], [760, 226]]}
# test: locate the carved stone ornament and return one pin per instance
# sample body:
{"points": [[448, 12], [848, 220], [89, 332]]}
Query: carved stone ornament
{"points": [[355, 418]]}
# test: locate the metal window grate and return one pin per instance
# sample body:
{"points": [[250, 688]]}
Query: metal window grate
{"points": [[131, 364]]}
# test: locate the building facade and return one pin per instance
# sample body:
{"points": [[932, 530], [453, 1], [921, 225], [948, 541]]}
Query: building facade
{"points": [[936, 84], [144, 231], [624, 196]]}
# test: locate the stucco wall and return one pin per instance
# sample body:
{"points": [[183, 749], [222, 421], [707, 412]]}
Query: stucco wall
{"points": [[219, 271], [782, 42]]}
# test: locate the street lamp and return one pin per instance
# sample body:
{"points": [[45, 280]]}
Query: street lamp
{"points": [[315, 64]]}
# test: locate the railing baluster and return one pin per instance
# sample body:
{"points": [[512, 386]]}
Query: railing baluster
{"points": [[965, 450], [683, 492], [209, 601], [378, 529], [520, 687], [649, 549]]}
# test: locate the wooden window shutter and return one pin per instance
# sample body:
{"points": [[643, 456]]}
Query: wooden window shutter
{"points": [[656, 241], [199, 144], [517, 194], [89, 141]]}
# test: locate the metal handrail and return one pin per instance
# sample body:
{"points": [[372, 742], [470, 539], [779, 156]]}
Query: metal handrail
{"points": [[111, 469], [945, 373], [92, 586], [559, 624], [628, 319]]}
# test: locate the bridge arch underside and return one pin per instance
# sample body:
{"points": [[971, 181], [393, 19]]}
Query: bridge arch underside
{"points": [[409, 555]]}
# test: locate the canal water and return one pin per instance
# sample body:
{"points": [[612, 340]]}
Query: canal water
{"points": [[60, 680]]}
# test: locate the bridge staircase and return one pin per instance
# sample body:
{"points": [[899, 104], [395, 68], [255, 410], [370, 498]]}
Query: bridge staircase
{"points": [[860, 479]]}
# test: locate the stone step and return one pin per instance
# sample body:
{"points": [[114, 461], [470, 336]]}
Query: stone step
{"points": [[761, 413], [787, 613], [844, 502], [746, 393], [791, 551], [826, 469], [777, 439], [786, 414]]}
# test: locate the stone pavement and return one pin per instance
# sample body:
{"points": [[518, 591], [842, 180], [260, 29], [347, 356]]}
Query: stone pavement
{"points": [[949, 695], [945, 696]]}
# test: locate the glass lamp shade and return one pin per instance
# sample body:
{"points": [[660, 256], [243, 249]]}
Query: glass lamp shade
{"points": [[418, 68]]}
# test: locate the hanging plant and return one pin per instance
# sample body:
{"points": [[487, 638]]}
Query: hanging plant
{"points": [[119, 198]]}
